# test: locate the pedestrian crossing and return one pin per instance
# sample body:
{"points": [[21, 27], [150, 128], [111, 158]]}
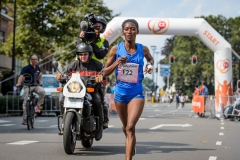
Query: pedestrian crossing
{"points": [[6, 125]]}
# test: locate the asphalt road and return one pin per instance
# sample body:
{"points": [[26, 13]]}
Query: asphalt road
{"points": [[163, 133]]}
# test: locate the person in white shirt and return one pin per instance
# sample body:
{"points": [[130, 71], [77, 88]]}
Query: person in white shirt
{"points": [[182, 100]]}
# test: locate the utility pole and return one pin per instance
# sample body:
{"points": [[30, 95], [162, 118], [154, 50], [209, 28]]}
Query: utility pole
{"points": [[153, 54], [13, 47]]}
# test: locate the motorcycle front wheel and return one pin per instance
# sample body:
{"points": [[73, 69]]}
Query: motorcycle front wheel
{"points": [[87, 143], [69, 133]]}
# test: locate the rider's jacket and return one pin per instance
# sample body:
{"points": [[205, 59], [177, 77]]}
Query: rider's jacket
{"points": [[87, 69]]}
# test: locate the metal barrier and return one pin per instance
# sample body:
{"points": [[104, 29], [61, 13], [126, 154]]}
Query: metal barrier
{"points": [[213, 104], [14, 104]]}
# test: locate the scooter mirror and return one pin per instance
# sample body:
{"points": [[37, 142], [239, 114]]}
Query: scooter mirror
{"points": [[55, 64]]}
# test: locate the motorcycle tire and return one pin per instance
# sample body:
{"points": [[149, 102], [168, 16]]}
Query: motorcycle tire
{"points": [[87, 143], [69, 139]]}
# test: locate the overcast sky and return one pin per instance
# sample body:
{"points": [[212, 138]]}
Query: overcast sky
{"points": [[171, 9]]}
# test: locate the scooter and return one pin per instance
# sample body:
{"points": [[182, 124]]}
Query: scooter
{"points": [[78, 120]]}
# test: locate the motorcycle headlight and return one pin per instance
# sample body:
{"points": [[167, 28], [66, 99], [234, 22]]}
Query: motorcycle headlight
{"points": [[74, 87]]}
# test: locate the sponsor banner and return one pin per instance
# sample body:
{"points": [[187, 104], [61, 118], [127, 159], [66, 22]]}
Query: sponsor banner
{"points": [[198, 104]]}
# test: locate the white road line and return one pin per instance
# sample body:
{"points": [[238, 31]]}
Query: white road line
{"points": [[3, 121], [218, 143], [42, 120], [221, 134], [222, 123], [151, 116], [156, 110], [6, 125], [222, 127], [212, 158], [110, 126], [22, 142], [142, 118]]}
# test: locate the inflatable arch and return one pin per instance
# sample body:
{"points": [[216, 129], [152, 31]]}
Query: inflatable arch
{"points": [[188, 27]]}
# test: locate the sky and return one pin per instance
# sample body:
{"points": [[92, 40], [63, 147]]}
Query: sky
{"points": [[171, 9]]}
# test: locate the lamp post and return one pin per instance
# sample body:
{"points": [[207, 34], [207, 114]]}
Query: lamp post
{"points": [[153, 48], [13, 48]]}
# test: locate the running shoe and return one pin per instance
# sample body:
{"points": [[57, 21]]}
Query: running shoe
{"points": [[24, 122], [134, 151]]}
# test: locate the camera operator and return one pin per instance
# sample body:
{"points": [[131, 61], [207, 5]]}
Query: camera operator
{"points": [[90, 33], [99, 44]]}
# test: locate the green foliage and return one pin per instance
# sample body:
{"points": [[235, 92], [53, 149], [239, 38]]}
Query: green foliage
{"points": [[45, 26]]}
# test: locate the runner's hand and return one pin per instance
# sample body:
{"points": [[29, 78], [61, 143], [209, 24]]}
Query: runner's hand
{"points": [[148, 69], [122, 60]]}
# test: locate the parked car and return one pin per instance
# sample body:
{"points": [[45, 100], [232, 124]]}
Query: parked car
{"points": [[50, 84]]}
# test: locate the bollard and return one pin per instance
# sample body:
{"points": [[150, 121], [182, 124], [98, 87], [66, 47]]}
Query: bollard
{"points": [[146, 99], [152, 99]]}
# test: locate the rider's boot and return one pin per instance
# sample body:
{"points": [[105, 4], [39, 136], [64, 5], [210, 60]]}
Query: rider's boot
{"points": [[106, 115], [98, 135]]}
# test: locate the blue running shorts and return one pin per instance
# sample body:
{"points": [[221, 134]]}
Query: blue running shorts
{"points": [[125, 99]]}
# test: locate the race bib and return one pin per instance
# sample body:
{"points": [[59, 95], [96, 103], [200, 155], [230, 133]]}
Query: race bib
{"points": [[128, 73]]}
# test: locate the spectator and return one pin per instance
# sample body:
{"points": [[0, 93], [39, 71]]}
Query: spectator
{"points": [[177, 100], [182, 100]]}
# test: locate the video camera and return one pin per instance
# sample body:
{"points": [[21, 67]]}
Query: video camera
{"points": [[88, 28]]}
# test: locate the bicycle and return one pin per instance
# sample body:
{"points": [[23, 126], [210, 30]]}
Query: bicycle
{"points": [[30, 104]]}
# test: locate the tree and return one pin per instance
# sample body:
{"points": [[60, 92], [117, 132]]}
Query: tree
{"points": [[45, 26]]}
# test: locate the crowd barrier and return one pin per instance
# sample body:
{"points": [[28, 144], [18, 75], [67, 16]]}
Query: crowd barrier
{"points": [[14, 103], [213, 104], [109, 98]]}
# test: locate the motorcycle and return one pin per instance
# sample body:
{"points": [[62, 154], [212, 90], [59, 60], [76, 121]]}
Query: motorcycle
{"points": [[78, 120]]}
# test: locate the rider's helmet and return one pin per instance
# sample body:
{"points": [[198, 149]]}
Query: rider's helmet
{"points": [[102, 20], [84, 47]]}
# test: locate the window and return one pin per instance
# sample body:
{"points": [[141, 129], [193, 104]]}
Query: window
{"points": [[2, 37], [50, 82]]}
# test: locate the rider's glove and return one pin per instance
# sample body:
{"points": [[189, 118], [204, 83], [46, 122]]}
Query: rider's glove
{"points": [[98, 78], [58, 76]]}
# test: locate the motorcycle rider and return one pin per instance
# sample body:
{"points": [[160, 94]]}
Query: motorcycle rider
{"points": [[88, 65], [100, 49]]}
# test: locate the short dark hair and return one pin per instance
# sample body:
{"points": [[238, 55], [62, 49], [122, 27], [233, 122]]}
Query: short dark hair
{"points": [[132, 21], [34, 54]]}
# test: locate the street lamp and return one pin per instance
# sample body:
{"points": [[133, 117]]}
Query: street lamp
{"points": [[153, 48], [13, 47]]}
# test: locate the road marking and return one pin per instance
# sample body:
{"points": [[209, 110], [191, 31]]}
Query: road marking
{"points": [[170, 125], [52, 126], [222, 127], [22, 142], [222, 123], [156, 110], [110, 126], [6, 125], [151, 116], [221, 134], [142, 118], [212, 158], [218, 143], [3, 121], [42, 120]]}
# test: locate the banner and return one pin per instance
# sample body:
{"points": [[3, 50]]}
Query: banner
{"points": [[198, 104]]}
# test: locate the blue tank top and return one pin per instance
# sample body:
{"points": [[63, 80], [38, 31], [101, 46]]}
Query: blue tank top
{"points": [[138, 58]]}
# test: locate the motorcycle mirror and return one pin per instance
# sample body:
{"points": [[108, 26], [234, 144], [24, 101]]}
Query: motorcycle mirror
{"points": [[55, 64]]}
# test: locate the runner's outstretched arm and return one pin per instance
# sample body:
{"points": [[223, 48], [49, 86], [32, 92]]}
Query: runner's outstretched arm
{"points": [[110, 64]]}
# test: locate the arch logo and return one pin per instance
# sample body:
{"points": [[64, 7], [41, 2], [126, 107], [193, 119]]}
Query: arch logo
{"points": [[223, 65], [158, 26]]}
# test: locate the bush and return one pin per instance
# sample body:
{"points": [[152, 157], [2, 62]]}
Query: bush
{"points": [[12, 103]]}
